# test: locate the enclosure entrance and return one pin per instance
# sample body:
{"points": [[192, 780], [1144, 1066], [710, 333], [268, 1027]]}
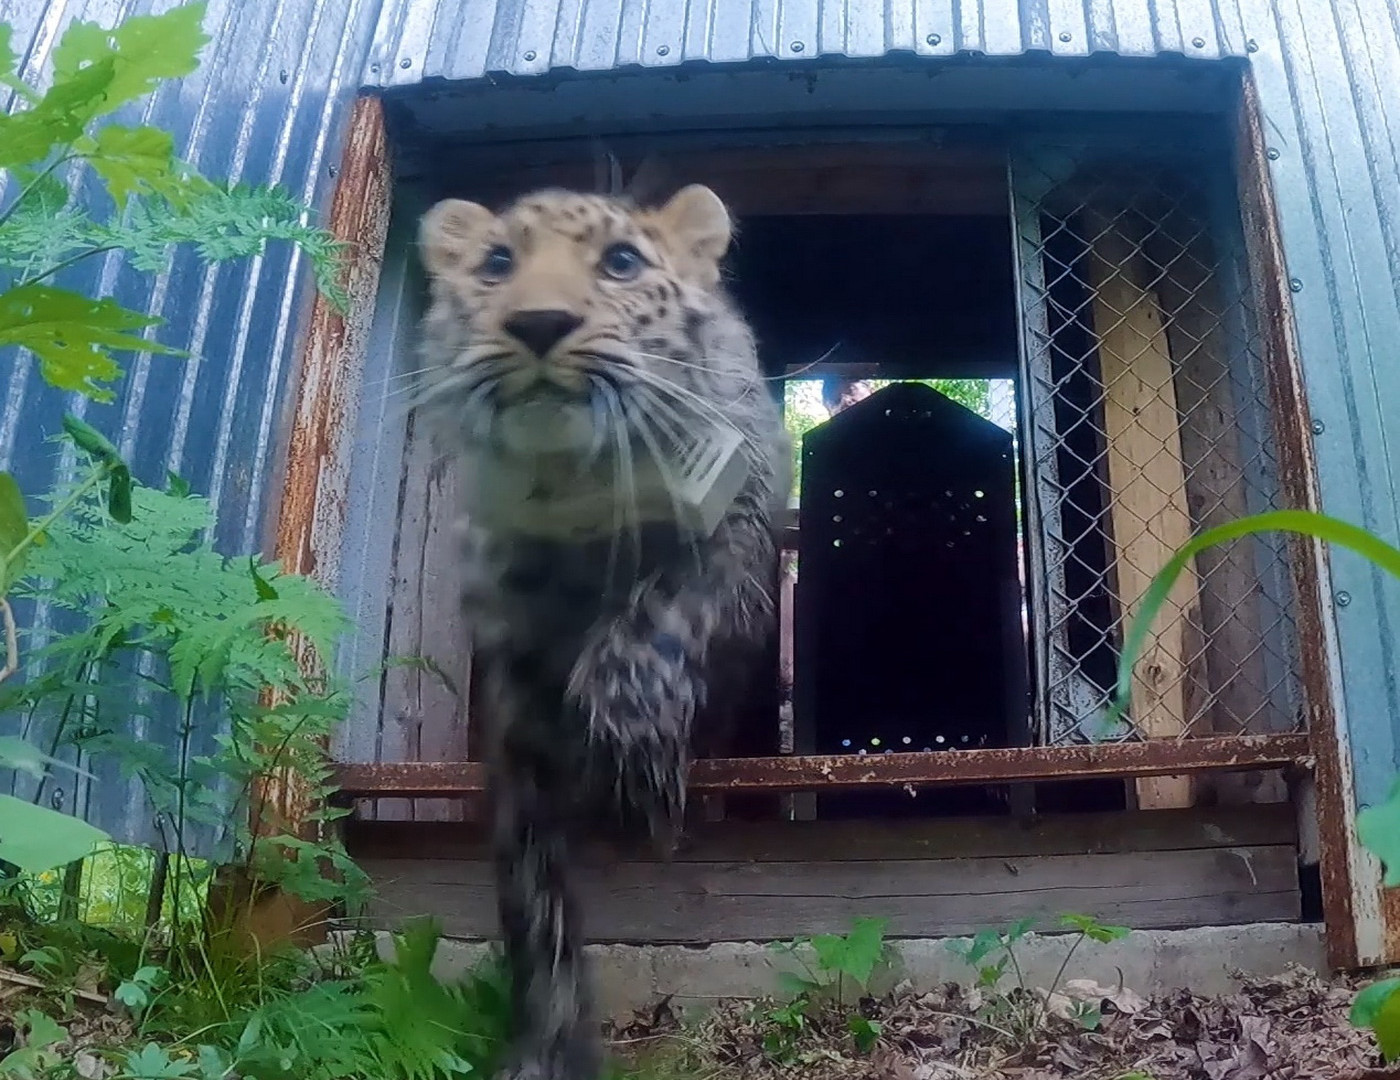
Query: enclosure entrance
{"points": [[902, 599], [1062, 318]]}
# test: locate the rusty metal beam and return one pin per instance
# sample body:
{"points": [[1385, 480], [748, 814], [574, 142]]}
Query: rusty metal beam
{"points": [[840, 772], [1272, 298]]}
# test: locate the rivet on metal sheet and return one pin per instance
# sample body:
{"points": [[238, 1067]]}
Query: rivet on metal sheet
{"points": [[796, 46], [1066, 36], [1251, 45], [530, 57], [1318, 427], [1295, 284], [1272, 153], [406, 62], [933, 39], [1343, 598], [663, 50], [1199, 42]]}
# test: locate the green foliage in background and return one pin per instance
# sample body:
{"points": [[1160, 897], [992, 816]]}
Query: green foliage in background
{"points": [[803, 408]]}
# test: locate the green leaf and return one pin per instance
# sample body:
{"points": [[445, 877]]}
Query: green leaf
{"points": [[260, 583], [43, 1030], [91, 441], [143, 50], [16, 753], [58, 119], [36, 839], [1303, 522], [9, 66], [1367, 1005], [154, 1063], [1387, 1028], [71, 333], [1378, 828], [14, 527], [1094, 930], [135, 161], [866, 1032]]}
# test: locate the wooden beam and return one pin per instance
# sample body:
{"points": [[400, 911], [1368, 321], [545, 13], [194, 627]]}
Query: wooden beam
{"points": [[1096, 833], [311, 513], [843, 772], [1147, 499], [698, 903]]}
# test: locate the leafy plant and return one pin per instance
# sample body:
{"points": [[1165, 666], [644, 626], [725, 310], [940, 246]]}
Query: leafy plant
{"points": [[1021, 1011], [154, 202], [39, 1034], [1378, 827], [839, 962]]}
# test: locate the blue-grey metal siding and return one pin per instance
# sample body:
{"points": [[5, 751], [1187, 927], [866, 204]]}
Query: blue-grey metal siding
{"points": [[268, 104]]}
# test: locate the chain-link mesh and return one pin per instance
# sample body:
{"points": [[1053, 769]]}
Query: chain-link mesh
{"points": [[1147, 419]]}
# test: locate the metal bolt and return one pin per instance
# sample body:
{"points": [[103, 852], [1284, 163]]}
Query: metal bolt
{"points": [[663, 50], [1272, 153], [282, 75], [1343, 598], [1251, 45], [405, 63], [374, 68], [530, 56], [1199, 42], [1318, 427], [334, 170], [796, 46], [56, 799], [1065, 36], [1295, 284], [933, 39]]}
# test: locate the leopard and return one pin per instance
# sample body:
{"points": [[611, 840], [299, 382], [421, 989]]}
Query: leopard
{"points": [[589, 336]]}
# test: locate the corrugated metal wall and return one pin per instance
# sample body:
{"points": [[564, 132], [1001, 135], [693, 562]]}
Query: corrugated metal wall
{"points": [[268, 104]]}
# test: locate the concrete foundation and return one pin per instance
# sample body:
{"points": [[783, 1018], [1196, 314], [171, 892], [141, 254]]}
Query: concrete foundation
{"points": [[1206, 960]]}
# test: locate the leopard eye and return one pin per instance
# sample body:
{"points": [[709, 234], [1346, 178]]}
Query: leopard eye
{"points": [[497, 265], [622, 262]]}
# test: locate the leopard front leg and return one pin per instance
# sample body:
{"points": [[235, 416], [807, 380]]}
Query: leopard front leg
{"points": [[533, 789], [637, 687]]}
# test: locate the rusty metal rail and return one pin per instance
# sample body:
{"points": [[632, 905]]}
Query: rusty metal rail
{"points": [[1166, 757]]}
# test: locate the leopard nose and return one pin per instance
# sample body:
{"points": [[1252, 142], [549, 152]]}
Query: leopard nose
{"points": [[541, 330]]}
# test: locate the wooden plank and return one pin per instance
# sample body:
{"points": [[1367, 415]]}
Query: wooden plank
{"points": [[845, 772], [1238, 695], [697, 903], [807, 841], [820, 178], [311, 512], [1147, 508]]}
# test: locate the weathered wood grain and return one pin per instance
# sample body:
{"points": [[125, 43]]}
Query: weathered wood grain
{"points": [[700, 902]]}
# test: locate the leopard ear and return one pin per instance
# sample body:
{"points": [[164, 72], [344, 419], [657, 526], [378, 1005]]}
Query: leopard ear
{"points": [[699, 221], [450, 235]]}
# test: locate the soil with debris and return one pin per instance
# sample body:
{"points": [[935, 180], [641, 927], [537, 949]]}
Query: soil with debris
{"points": [[1289, 1028]]}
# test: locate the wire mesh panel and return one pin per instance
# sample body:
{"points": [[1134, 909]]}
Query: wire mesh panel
{"points": [[1147, 419]]}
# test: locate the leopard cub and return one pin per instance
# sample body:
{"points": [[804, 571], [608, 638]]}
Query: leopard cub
{"points": [[594, 382]]}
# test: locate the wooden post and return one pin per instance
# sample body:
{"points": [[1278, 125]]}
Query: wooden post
{"points": [[1233, 676], [312, 510], [1147, 507]]}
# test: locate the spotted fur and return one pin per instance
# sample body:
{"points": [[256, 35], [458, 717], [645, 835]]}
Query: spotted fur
{"points": [[599, 652]]}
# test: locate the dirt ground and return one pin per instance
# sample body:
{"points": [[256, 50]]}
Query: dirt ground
{"points": [[1289, 1028]]}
